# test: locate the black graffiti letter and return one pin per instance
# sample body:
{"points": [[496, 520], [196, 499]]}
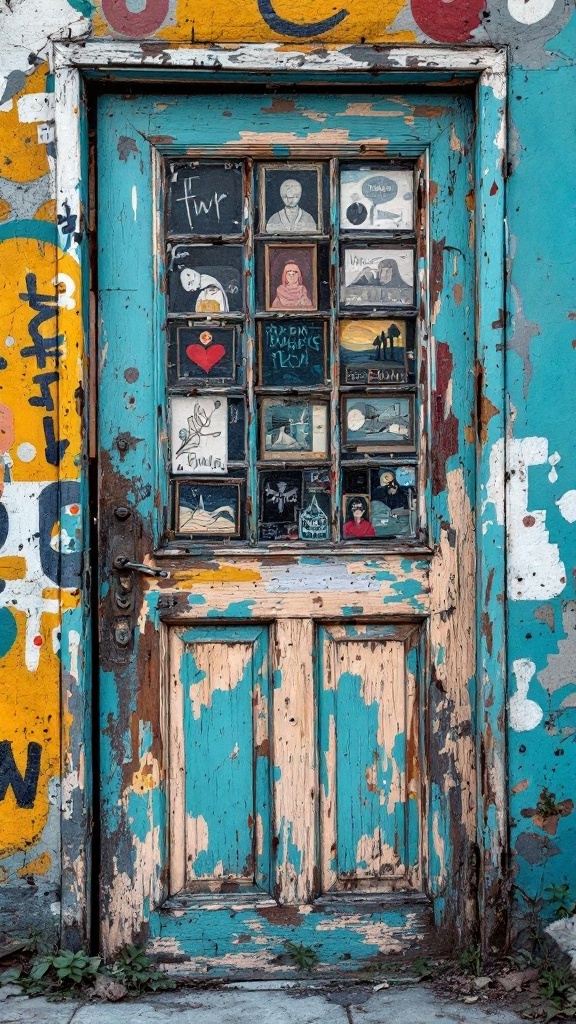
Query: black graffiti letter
{"points": [[291, 28], [23, 786]]}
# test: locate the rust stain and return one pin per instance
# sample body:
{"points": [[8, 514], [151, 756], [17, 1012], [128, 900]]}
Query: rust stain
{"points": [[280, 105], [433, 189], [281, 916], [520, 786], [437, 270], [425, 110], [487, 411], [444, 422], [470, 201], [458, 292], [494, 189], [487, 631], [500, 322], [125, 146], [547, 814]]}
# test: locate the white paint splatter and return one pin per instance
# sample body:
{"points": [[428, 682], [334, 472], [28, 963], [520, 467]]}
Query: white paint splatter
{"points": [[21, 501], [135, 201], [26, 452], [65, 288], [28, 29], [495, 485], [528, 12], [36, 106], [535, 571], [563, 932], [553, 460], [9, 341], [525, 714], [567, 506]]}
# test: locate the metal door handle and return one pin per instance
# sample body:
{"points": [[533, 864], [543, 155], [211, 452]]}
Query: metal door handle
{"points": [[121, 562]]}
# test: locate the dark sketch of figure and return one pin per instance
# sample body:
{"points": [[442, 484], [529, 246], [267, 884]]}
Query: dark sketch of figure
{"points": [[292, 293], [357, 523], [211, 289], [281, 496], [386, 274], [379, 343], [211, 296], [384, 345], [292, 217], [397, 498], [198, 424]]}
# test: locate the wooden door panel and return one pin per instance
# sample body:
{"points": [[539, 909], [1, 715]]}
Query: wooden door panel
{"points": [[286, 718], [368, 726], [294, 758], [218, 759]]}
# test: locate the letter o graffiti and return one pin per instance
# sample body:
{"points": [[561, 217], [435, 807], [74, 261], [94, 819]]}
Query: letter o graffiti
{"points": [[4, 525], [63, 568], [448, 22], [135, 23], [284, 27]]}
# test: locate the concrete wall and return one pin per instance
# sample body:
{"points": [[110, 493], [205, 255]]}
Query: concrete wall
{"points": [[44, 763]]}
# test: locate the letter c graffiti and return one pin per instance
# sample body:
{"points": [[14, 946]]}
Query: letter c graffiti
{"points": [[291, 28], [135, 23]]}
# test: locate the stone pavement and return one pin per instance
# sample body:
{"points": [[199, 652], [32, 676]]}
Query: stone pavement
{"points": [[253, 1004]]}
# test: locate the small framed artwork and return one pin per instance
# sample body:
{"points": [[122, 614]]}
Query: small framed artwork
{"points": [[376, 198], [205, 278], [208, 509], [314, 516], [205, 198], [291, 277], [377, 278], [292, 353], [280, 502], [236, 429], [355, 480], [202, 353], [294, 430], [199, 434], [393, 510], [375, 352], [356, 524], [385, 424], [291, 199]]}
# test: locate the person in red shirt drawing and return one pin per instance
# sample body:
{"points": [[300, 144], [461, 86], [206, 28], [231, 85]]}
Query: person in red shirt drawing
{"points": [[357, 523]]}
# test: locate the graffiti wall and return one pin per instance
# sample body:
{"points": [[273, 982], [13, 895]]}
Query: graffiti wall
{"points": [[42, 480]]}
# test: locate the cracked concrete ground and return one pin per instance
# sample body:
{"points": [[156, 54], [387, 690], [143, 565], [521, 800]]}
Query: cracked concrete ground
{"points": [[246, 1004]]}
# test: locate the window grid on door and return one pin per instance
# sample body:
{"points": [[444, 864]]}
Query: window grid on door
{"points": [[330, 449]]}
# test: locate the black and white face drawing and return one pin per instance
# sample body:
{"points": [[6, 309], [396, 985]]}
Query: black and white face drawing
{"points": [[292, 217], [291, 200]]}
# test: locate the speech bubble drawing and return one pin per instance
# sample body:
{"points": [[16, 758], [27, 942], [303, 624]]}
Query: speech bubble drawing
{"points": [[379, 189]]}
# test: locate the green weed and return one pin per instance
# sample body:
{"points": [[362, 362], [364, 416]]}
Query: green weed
{"points": [[304, 957]]}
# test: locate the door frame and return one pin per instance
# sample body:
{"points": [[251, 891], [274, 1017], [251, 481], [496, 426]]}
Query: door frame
{"points": [[76, 63]]}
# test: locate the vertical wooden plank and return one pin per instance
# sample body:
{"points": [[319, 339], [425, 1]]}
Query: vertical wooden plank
{"points": [[295, 777], [491, 156], [217, 682], [369, 771], [370, 739], [261, 754], [327, 681], [176, 764]]}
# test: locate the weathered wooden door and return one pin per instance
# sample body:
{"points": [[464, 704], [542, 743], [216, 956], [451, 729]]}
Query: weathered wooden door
{"points": [[286, 419]]}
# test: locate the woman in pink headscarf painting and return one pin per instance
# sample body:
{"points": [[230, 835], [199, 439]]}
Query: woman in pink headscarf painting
{"points": [[291, 293]]}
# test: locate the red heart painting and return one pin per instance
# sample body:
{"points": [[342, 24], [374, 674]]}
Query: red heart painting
{"points": [[205, 358]]}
